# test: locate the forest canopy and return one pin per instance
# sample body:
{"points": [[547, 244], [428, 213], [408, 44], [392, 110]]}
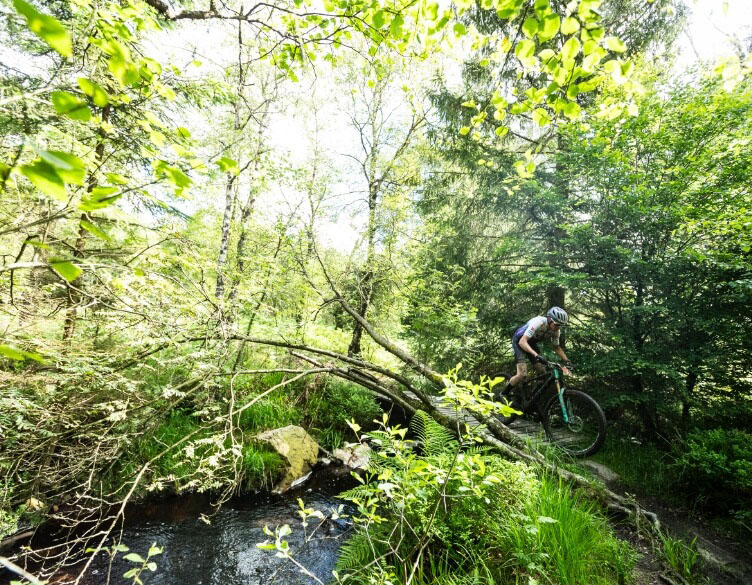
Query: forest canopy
{"points": [[216, 218]]}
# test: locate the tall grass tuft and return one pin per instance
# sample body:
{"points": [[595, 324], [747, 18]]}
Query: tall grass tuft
{"points": [[261, 468], [682, 557], [562, 538]]}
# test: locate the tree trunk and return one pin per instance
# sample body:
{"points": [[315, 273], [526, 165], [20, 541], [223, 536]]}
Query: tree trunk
{"points": [[74, 297], [224, 243], [689, 388], [367, 284]]}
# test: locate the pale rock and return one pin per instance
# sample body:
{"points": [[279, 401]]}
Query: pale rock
{"points": [[354, 455], [297, 447]]}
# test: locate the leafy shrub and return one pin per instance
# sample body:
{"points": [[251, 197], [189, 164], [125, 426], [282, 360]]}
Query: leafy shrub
{"points": [[336, 402], [716, 461], [456, 514]]}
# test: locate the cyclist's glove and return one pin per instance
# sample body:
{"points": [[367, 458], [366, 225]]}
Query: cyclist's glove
{"points": [[540, 359]]}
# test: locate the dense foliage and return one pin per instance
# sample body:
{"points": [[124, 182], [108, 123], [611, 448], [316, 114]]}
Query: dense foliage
{"points": [[176, 278]]}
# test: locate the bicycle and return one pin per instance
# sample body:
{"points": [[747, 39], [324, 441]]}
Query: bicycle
{"points": [[573, 421]]}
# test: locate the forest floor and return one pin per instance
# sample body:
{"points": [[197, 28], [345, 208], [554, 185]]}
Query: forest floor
{"points": [[724, 561]]}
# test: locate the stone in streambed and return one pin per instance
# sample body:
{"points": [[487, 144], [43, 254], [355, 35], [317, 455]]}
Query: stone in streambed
{"points": [[297, 447]]}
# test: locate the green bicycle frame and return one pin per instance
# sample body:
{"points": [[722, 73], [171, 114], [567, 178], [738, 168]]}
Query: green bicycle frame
{"points": [[560, 391]]}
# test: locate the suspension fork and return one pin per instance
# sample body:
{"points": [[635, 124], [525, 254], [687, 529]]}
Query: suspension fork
{"points": [[560, 392]]}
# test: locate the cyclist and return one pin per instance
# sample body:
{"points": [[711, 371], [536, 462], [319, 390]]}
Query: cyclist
{"points": [[525, 343]]}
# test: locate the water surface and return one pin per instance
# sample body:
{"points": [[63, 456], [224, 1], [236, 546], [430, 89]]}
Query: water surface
{"points": [[224, 552]]}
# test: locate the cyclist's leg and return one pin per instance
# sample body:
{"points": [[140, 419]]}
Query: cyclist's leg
{"points": [[521, 358]]}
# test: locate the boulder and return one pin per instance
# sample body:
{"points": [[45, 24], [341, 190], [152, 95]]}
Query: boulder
{"points": [[354, 455], [297, 447]]}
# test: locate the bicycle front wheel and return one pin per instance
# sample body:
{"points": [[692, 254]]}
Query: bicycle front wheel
{"points": [[578, 427]]}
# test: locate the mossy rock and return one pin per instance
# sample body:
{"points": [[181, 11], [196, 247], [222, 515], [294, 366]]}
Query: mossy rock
{"points": [[297, 447]]}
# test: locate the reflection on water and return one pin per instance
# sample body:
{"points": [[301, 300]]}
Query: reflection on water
{"points": [[224, 552]]}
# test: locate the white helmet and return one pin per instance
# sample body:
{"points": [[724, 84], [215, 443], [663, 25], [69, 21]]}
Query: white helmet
{"points": [[558, 315]]}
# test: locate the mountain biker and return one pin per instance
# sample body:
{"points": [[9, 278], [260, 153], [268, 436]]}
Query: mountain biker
{"points": [[525, 343]]}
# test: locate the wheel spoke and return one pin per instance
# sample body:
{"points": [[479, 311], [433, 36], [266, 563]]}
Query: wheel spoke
{"points": [[582, 430]]}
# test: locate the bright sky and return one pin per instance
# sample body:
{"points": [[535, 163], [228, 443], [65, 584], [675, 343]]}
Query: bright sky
{"points": [[711, 25]]}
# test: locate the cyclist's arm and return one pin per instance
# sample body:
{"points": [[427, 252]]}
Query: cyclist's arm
{"points": [[526, 346], [560, 352]]}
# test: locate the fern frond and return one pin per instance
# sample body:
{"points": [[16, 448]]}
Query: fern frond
{"points": [[435, 438]]}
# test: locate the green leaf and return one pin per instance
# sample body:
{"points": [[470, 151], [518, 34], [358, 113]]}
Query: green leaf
{"points": [[134, 558], [615, 44], [432, 11], [378, 19], [469, 104], [459, 29], [541, 117], [550, 27], [614, 68], [94, 230], [44, 176], [570, 49], [94, 91], [152, 566], [19, 354], [228, 165], [396, 26], [572, 110], [542, 6], [71, 106], [99, 198], [524, 50], [68, 167], [154, 549], [177, 178], [464, 131], [530, 27], [66, 269], [38, 244], [11, 353], [116, 178], [46, 27], [570, 25]]}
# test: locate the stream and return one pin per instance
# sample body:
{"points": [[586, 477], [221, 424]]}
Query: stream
{"points": [[224, 552]]}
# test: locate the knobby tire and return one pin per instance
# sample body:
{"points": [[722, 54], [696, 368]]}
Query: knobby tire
{"points": [[586, 431]]}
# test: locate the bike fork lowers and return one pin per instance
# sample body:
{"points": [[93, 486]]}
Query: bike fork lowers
{"points": [[560, 392]]}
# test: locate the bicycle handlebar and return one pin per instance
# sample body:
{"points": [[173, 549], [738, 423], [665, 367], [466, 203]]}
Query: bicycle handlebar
{"points": [[553, 365]]}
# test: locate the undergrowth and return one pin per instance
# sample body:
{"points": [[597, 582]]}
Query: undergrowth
{"points": [[457, 514]]}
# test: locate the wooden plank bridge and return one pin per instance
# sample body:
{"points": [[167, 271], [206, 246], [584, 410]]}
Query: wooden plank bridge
{"points": [[528, 430]]}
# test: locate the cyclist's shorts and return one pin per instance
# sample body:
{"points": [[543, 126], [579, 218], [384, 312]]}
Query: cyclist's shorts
{"points": [[520, 355]]}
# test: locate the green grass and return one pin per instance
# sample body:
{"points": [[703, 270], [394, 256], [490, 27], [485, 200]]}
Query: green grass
{"points": [[261, 467], [270, 413], [174, 428], [643, 468], [681, 556], [562, 538]]}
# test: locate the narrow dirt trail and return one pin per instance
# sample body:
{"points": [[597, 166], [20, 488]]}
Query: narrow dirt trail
{"points": [[723, 561]]}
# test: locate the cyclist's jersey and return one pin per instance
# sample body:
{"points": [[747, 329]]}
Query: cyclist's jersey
{"points": [[536, 330]]}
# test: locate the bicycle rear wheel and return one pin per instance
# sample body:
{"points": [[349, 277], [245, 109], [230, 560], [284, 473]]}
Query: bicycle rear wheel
{"points": [[583, 431]]}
